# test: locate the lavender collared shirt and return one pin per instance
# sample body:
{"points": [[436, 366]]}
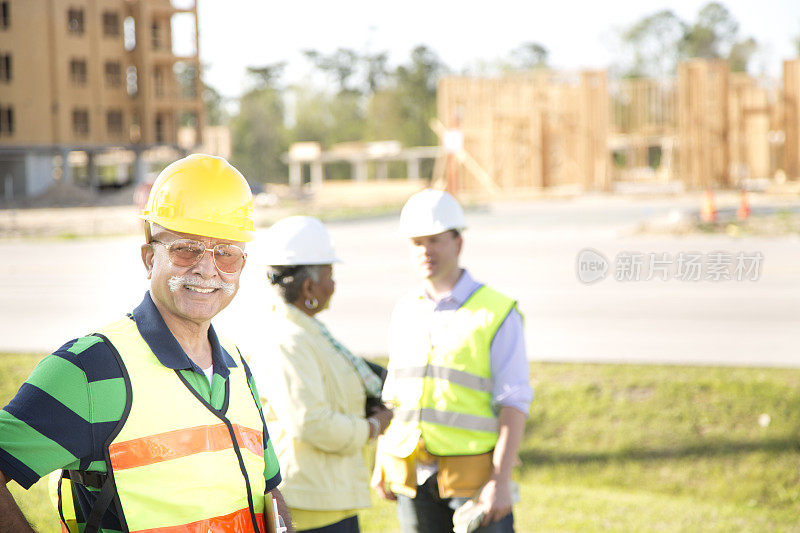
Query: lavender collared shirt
{"points": [[507, 356]]}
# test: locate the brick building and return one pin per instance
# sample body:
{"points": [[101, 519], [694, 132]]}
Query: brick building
{"points": [[92, 76]]}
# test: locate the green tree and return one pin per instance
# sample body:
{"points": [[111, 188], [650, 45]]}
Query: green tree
{"points": [[797, 44], [266, 77], [352, 72], [712, 35], [415, 86], [326, 118], [402, 110], [258, 131], [342, 66], [741, 53], [655, 44], [214, 105], [367, 100], [529, 56], [376, 71], [715, 35], [651, 45], [331, 116], [312, 120]]}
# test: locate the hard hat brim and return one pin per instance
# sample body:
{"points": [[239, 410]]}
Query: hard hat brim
{"points": [[427, 232], [291, 262], [202, 228]]}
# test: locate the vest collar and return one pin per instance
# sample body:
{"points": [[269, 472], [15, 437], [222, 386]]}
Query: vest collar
{"points": [[159, 338]]}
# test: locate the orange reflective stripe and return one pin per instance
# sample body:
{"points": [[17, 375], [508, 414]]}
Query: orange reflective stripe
{"points": [[180, 443], [251, 439], [236, 522]]}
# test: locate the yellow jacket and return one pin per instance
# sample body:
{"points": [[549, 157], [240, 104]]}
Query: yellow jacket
{"points": [[314, 407]]}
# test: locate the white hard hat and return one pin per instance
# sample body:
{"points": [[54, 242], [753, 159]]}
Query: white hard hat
{"points": [[430, 212], [299, 240]]}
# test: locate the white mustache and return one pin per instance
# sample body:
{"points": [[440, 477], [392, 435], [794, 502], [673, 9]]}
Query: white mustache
{"points": [[176, 282]]}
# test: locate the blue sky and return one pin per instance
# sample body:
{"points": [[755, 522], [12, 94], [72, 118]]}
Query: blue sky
{"points": [[578, 34]]}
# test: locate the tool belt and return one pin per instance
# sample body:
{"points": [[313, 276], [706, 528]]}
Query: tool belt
{"points": [[457, 476]]}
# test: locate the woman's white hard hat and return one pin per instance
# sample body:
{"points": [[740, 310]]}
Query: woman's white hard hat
{"points": [[430, 212], [299, 240]]}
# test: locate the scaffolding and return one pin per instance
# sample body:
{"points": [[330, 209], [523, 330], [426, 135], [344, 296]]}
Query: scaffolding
{"points": [[707, 127]]}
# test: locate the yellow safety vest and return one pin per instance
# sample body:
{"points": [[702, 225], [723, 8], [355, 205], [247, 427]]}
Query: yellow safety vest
{"points": [[443, 393], [176, 464]]}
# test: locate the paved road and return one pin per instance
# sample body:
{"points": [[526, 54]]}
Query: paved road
{"points": [[51, 291]]}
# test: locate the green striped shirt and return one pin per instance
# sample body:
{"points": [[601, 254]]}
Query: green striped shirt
{"points": [[65, 412]]}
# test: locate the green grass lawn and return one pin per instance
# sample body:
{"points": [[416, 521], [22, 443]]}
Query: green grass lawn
{"points": [[625, 448]]}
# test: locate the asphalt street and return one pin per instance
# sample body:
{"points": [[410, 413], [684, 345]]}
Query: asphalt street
{"points": [[54, 290]]}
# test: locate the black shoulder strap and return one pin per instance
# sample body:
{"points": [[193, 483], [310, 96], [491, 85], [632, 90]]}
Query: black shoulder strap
{"points": [[95, 480], [100, 506], [105, 482]]}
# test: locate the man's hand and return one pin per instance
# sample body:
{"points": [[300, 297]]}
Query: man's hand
{"points": [[283, 510], [11, 518], [495, 498]]}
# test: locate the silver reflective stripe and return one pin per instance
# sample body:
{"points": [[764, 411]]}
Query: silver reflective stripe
{"points": [[409, 372], [448, 418], [406, 416], [457, 377]]}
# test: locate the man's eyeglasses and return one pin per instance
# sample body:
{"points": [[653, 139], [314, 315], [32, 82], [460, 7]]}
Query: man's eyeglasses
{"points": [[184, 253]]}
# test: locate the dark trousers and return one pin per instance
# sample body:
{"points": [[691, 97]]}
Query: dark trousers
{"points": [[429, 513], [348, 525]]}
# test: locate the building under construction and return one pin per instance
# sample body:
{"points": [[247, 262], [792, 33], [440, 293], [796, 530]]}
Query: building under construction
{"points": [[705, 128], [93, 77]]}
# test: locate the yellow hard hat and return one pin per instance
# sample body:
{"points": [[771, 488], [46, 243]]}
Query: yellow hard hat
{"points": [[203, 195]]}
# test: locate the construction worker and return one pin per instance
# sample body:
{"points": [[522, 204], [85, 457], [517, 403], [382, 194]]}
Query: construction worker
{"points": [[154, 419], [318, 405], [458, 379]]}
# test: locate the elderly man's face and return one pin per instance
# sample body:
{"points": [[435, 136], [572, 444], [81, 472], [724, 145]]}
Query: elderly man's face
{"points": [[196, 293]]}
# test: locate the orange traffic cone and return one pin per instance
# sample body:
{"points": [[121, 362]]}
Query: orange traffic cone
{"points": [[744, 207], [708, 213]]}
